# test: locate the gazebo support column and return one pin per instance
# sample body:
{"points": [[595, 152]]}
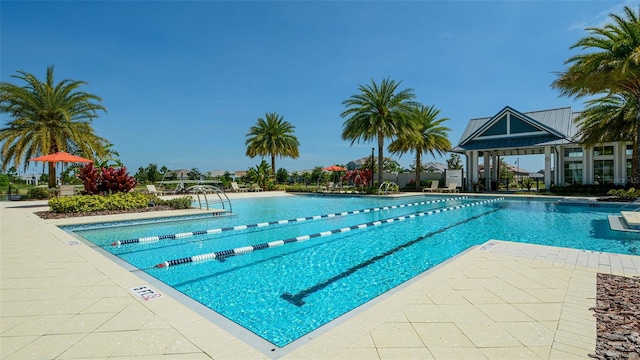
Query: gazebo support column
{"points": [[487, 172], [547, 167]]}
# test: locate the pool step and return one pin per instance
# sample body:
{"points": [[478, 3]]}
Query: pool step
{"points": [[619, 223]]}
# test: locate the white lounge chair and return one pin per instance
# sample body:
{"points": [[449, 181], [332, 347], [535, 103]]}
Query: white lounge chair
{"points": [[452, 188], [255, 188], [236, 188], [151, 189], [434, 186]]}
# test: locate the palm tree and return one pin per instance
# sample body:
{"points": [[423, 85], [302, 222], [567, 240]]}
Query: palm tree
{"points": [[108, 158], [607, 119], [47, 117], [611, 66], [376, 113], [274, 137], [430, 137]]}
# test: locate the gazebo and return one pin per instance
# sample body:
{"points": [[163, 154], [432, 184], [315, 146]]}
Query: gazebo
{"points": [[549, 132]]}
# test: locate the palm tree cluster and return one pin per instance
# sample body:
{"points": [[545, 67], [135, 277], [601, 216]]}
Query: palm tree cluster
{"points": [[380, 112], [47, 117], [609, 69]]}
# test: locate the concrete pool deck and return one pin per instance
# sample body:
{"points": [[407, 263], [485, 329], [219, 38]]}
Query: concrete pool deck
{"points": [[60, 298]]}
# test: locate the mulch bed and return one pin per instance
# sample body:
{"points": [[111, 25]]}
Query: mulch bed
{"points": [[618, 317], [52, 215]]}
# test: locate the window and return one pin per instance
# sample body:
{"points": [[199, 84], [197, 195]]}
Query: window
{"points": [[603, 171], [602, 150], [572, 172], [573, 152], [629, 151]]}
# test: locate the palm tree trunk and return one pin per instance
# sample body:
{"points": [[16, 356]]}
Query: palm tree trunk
{"points": [[52, 174], [273, 164], [418, 169], [380, 156], [635, 158]]}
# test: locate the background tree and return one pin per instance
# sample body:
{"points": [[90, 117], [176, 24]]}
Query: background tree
{"points": [[454, 162], [108, 158], [195, 174], [430, 136], [261, 175], [282, 176], [610, 65], [376, 113], [47, 117], [274, 137], [318, 175]]}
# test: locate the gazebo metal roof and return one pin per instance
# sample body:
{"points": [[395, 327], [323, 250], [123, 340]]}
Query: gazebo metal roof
{"points": [[544, 128]]}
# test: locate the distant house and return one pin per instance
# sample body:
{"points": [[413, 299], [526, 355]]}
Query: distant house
{"points": [[216, 173], [434, 167], [552, 133], [32, 178], [357, 164], [178, 174]]}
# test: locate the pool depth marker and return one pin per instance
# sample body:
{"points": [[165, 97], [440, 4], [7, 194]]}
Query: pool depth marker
{"points": [[150, 239], [250, 248]]}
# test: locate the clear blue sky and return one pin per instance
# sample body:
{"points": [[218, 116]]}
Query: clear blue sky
{"points": [[183, 81]]}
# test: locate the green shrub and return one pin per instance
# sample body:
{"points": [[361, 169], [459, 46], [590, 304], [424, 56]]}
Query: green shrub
{"points": [[89, 203], [177, 203], [38, 193], [628, 195]]}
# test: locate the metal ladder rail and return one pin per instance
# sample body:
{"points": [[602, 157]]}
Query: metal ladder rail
{"points": [[203, 189]]}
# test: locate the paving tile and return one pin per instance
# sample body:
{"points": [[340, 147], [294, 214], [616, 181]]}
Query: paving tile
{"points": [[442, 335], [541, 311], [9, 345], [46, 347], [405, 354], [487, 334], [425, 313], [356, 354], [481, 296], [530, 333], [447, 296], [35, 325], [464, 313], [363, 341], [548, 295], [510, 353], [396, 335], [443, 353], [513, 295], [503, 312], [81, 323], [572, 350]]}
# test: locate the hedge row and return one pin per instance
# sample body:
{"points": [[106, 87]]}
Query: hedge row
{"points": [[116, 201]]}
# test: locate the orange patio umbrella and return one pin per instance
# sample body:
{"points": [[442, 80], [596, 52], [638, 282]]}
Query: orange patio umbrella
{"points": [[334, 168], [62, 157]]}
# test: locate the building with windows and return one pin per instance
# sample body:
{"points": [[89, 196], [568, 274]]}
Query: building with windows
{"points": [[552, 133]]}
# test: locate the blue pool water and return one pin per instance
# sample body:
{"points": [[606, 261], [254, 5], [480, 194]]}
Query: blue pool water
{"points": [[285, 292]]}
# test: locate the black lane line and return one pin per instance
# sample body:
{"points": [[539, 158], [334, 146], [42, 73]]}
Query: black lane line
{"points": [[298, 299]]}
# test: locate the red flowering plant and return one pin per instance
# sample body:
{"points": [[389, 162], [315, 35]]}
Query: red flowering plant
{"points": [[360, 178], [106, 180]]}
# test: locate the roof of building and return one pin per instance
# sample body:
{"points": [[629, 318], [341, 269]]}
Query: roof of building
{"points": [[511, 129]]}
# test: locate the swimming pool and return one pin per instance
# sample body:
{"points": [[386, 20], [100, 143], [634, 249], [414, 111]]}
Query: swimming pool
{"points": [[283, 292]]}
